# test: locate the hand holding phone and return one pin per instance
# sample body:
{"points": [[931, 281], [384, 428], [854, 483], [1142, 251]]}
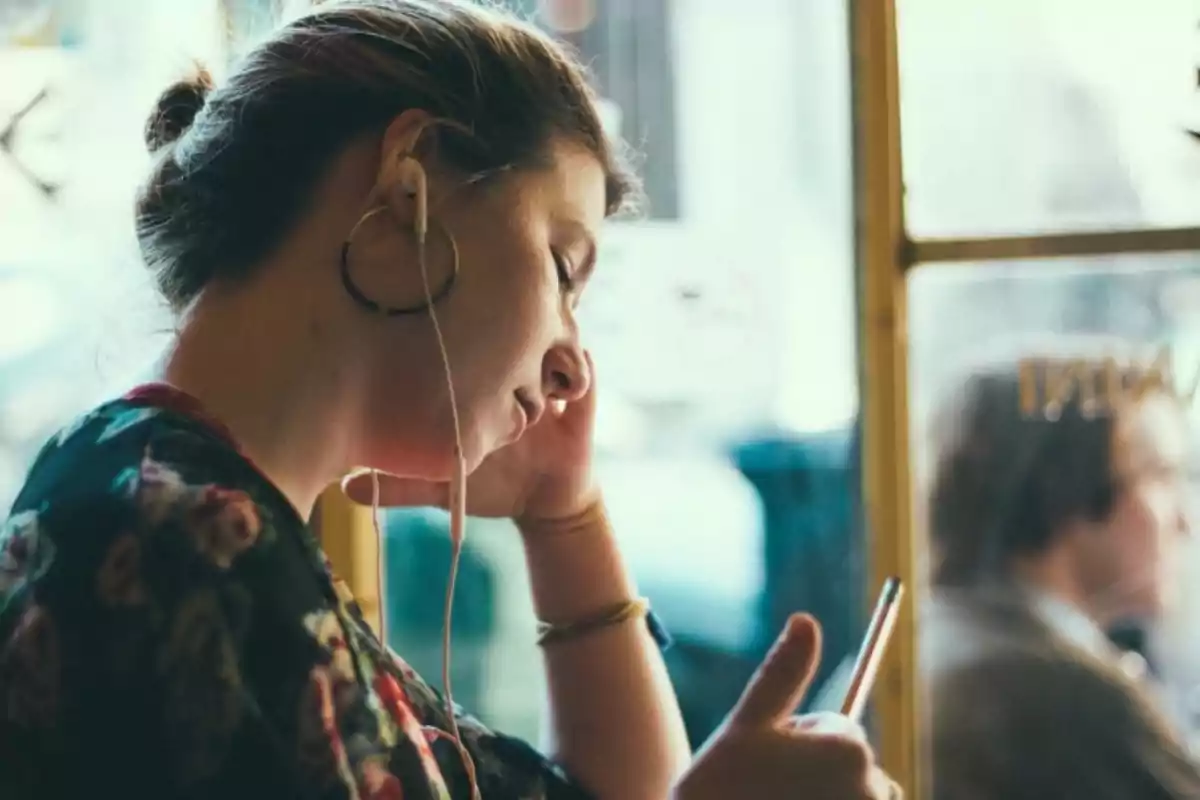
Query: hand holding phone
{"points": [[764, 751]]}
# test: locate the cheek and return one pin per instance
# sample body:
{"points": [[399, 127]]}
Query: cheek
{"points": [[512, 326], [522, 303], [1148, 524], [1166, 508], [501, 329]]}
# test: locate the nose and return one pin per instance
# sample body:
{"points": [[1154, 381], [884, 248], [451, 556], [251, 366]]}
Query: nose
{"points": [[565, 373]]}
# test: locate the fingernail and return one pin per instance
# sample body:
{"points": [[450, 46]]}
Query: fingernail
{"points": [[797, 625], [791, 630]]}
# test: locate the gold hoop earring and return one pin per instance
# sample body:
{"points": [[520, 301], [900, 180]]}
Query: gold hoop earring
{"points": [[359, 297]]}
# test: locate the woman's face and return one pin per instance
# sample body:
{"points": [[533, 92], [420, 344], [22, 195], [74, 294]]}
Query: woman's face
{"points": [[526, 245]]}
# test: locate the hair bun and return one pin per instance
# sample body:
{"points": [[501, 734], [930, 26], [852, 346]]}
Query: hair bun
{"points": [[176, 108]]}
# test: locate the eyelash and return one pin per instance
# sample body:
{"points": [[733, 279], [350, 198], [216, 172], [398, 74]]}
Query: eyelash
{"points": [[564, 274]]}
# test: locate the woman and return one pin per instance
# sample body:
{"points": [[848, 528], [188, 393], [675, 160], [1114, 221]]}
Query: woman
{"points": [[170, 628]]}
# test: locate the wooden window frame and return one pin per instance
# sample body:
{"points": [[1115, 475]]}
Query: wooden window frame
{"points": [[886, 253]]}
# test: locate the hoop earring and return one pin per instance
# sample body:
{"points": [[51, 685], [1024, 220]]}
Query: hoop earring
{"points": [[357, 295]]}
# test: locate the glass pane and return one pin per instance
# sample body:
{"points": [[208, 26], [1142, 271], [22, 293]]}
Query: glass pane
{"points": [[79, 316], [1054, 429], [1022, 116], [726, 443]]}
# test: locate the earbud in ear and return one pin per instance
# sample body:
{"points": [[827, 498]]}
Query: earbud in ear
{"points": [[409, 177]]}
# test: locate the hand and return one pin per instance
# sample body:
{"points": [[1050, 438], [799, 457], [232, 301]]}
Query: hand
{"points": [[763, 751], [544, 476]]}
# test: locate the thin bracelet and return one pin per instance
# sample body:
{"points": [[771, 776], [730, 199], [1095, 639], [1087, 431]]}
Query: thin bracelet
{"points": [[548, 632]]}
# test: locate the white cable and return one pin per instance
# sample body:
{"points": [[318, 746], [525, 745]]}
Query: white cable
{"points": [[457, 508]]}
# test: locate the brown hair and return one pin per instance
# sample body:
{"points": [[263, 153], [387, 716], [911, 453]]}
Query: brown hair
{"points": [[1008, 477], [237, 163]]}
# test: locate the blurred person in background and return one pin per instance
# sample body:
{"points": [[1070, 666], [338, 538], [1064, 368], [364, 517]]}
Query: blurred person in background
{"points": [[1056, 510], [169, 627]]}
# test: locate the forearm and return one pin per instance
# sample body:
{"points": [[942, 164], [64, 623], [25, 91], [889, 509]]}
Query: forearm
{"points": [[615, 721]]}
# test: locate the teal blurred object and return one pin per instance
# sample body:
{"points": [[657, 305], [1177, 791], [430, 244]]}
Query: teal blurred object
{"points": [[815, 555], [814, 559], [417, 555]]}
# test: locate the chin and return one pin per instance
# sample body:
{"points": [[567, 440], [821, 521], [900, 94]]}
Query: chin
{"points": [[477, 446], [424, 455], [1149, 604], [1162, 602]]}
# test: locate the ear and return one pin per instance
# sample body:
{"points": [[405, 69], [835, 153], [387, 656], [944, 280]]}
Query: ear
{"points": [[401, 140]]}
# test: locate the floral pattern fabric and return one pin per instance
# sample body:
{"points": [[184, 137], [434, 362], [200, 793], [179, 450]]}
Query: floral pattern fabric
{"points": [[169, 628]]}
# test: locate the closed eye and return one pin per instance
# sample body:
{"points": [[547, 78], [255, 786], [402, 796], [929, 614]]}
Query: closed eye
{"points": [[563, 267]]}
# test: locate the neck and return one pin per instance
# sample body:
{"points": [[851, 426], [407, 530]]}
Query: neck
{"points": [[261, 370], [1053, 574]]}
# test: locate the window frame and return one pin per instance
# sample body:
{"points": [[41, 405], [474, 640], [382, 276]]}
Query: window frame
{"points": [[886, 252]]}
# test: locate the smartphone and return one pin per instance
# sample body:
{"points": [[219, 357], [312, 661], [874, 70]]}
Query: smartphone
{"points": [[879, 633]]}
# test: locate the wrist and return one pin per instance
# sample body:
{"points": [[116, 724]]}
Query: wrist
{"points": [[575, 565], [587, 515]]}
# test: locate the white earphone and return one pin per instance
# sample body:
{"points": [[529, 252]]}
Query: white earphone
{"points": [[408, 177]]}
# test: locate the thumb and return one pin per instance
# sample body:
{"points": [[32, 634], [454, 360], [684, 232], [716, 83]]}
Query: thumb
{"points": [[394, 491], [781, 681]]}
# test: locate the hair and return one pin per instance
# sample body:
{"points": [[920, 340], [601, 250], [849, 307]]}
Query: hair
{"points": [[1010, 475], [236, 164]]}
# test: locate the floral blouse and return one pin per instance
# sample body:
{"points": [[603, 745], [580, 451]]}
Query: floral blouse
{"points": [[169, 628]]}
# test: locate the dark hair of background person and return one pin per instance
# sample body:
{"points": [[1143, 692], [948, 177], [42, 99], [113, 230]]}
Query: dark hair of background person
{"points": [[1007, 480]]}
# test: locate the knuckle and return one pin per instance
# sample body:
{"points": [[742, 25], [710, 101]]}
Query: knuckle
{"points": [[851, 755]]}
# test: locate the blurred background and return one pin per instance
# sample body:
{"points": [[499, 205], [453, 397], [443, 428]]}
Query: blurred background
{"points": [[724, 323]]}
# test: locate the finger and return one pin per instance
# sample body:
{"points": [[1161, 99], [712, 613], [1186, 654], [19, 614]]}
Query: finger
{"points": [[880, 786], [828, 723], [780, 682], [394, 491], [581, 412]]}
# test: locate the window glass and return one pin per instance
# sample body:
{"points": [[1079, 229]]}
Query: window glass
{"points": [[80, 318], [1036, 115], [1054, 540]]}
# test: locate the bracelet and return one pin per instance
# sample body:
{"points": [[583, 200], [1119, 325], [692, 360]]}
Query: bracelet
{"points": [[548, 632]]}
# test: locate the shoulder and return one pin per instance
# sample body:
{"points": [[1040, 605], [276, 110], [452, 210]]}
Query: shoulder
{"points": [[959, 630], [1048, 682], [131, 570], [997, 656], [97, 455], [125, 482], [1014, 710], [1053, 717]]}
